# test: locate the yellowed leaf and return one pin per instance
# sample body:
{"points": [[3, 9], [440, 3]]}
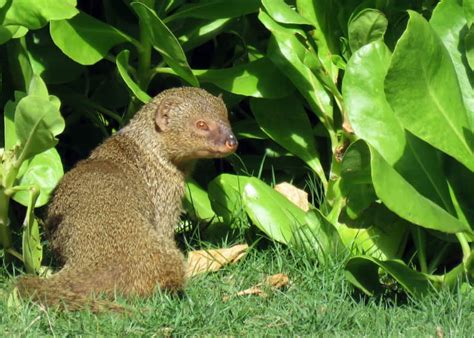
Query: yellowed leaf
{"points": [[277, 281], [201, 261], [296, 196]]}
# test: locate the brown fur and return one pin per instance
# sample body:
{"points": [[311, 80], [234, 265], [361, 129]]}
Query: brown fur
{"points": [[113, 216]]}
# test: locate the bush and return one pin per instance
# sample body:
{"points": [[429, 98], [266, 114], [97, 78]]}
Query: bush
{"points": [[368, 105]]}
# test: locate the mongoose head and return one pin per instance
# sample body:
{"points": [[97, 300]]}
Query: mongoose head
{"points": [[194, 124]]}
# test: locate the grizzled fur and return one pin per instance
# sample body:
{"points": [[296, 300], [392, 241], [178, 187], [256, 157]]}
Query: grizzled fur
{"points": [[113, 216]]}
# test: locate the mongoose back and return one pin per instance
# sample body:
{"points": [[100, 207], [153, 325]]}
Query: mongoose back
{"points": [[112, 217]]}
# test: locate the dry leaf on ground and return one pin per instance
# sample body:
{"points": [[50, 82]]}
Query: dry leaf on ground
{"points": [[275, 281], [201, 261], [296, 196]]}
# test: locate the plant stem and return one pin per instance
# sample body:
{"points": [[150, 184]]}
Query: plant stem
{"points": [[14, 253], [5, 233], [466, 250]]}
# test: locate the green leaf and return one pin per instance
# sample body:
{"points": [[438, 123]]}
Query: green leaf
{"points": [[373, 120], [281, 12], [468, 6], [274, 117], [197, 203], [36, 14], [44, 171], [85, 39], [359, 241], [423, 90], [461, 183], [165, 43], [248, 128], [271, 212], [122, 67], [356, 180], [9, 121], [259, 78], [38, 88], [287, 53], [216, 9], [48, 61], [318, 238], [225, 194], [37, 120], [9, 32], [193, 34], [323, 36], [366, 26], [322, 14], [469, 44], [449, 22], [362, 272], [404, 200]]}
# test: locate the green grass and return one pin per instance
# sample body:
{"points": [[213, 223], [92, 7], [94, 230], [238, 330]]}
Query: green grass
{"points": [[318, 302]]}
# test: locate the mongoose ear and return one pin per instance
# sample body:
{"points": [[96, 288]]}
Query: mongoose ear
{"points": [[163, 112]]}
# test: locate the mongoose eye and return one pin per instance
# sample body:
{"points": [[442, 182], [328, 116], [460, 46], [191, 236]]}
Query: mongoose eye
{"points": [[202, 125]]}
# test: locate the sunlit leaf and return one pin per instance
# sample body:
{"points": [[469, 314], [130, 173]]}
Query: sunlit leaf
{"points": [[85, 39], [165, 42], [366, 26], [422, 88], [43, 170]]}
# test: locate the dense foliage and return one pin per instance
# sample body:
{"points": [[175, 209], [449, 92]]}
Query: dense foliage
{"points": [[368, 105]]}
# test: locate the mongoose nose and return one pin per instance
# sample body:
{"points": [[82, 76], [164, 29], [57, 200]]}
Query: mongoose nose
{"points": [[231, 142]]}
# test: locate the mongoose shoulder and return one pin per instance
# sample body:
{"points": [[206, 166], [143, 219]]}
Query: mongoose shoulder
{"points": [[112, 218]]}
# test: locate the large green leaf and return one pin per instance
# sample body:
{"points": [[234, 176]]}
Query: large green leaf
{"points": [[197, 203], [225, 194], [373, 120], [422, 88], [215, 9], [44, 171], [122, 67], [404, 200], [322, 14], [259, 78], [35, 14], [37, 120], [281, 12], [386, 232], [165, 42], [362, 271], [449, 22], [274, 117], [270, 211], [356, 180], [366, 26], [287, 53], [310, 10], [318, 238], [85, 39]]}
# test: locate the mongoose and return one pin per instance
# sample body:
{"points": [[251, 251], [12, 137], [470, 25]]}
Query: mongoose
{"points": [[112, 218]]}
